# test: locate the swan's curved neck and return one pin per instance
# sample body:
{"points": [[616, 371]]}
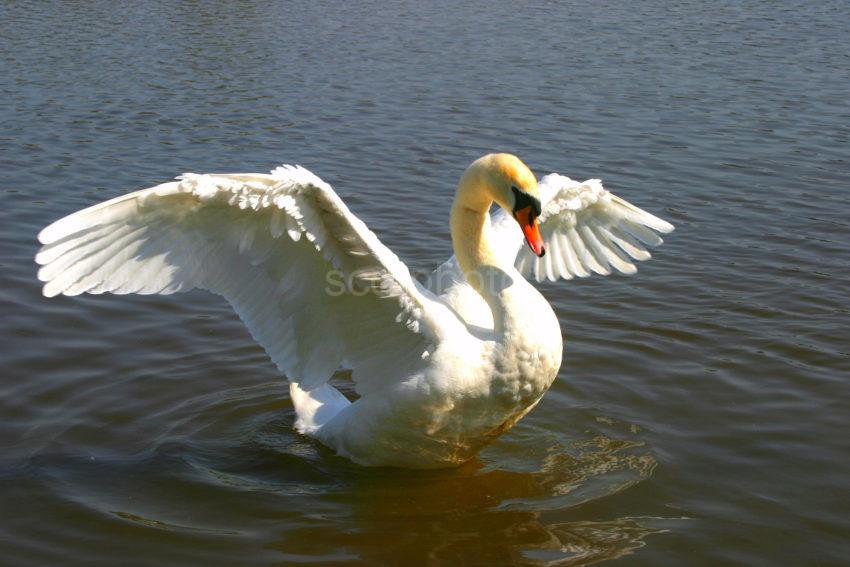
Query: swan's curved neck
{"points": [[485, 269], [470, 225]]}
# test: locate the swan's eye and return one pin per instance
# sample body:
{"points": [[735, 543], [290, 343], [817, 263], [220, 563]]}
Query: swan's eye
{"points": [[523, 200]]}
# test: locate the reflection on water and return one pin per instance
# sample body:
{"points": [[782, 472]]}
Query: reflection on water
{"points": [[486, 513], [518, 538], [585, 543], [492, 515], [240, 473]]}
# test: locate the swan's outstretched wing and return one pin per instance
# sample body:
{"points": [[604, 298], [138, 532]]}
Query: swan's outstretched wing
{"points": [[313, 284], [586, 229]]}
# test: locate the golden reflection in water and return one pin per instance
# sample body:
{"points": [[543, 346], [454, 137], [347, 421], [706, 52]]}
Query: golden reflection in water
{"points": [[479, 516], [235, 477]]}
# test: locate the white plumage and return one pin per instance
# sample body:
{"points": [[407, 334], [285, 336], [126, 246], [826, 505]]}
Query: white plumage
{"points": [[441, 369], [588, 230]]}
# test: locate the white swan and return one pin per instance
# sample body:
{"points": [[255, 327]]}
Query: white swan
{"points": [[441, 368]]}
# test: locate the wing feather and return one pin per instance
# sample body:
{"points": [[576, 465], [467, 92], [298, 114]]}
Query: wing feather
{"points": [[587, 229], [615, 256], [269, 244], [569, 255]]}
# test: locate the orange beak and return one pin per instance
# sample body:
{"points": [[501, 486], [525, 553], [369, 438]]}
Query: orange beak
{"points": [[531, 230]]}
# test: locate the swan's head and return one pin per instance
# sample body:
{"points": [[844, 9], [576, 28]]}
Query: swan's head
{"points": [[513, 186]]}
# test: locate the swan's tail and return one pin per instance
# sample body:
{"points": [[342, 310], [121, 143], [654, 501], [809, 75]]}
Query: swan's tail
{"points": [[316, 407]]}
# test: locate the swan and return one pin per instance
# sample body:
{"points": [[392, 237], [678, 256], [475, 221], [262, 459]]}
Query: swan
{"points": [[440, 367]]}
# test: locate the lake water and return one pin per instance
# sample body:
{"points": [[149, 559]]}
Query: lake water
{"points": [[701, 414]]}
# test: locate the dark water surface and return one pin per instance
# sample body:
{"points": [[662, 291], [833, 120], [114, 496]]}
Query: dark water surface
{"points": [[701, 415]]}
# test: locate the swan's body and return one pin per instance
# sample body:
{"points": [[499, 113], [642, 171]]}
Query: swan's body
{"points": [[441, 368]]}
